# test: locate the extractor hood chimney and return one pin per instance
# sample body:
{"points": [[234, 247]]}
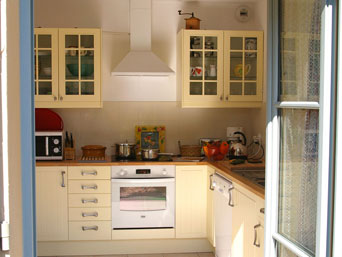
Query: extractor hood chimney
{"points": [[141, 61]]}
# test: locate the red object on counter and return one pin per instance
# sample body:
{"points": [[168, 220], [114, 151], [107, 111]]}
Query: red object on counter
{"points": [[47, 120]]}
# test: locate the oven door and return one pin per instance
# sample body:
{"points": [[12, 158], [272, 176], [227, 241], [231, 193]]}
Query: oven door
{"points": [[143, 203]]}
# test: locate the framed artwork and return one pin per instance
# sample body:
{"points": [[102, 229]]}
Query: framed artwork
{"points": [[150, 137]]}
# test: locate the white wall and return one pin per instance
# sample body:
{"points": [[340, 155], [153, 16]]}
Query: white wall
{"points": [[113, 17]]}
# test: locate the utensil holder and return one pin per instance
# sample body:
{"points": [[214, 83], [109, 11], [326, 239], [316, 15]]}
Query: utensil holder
{"points": [[70, 152]]}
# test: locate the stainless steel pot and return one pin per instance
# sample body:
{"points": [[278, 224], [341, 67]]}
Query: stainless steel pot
{"points": [[125, 150], [152, 154]]}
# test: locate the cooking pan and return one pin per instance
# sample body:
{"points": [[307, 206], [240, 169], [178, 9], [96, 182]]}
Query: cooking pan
{"points": [[152, 154]]}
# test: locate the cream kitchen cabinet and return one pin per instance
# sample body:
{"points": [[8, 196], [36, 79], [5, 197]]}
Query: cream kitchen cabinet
{"points": [[67, 68], [220, 69], [191, 201], [52, 203], [247, 226]]}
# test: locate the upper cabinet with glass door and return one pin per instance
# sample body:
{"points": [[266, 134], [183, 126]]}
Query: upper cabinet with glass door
{"points": [[211, 73], [46, 65], [76, 72], [243, 56]]}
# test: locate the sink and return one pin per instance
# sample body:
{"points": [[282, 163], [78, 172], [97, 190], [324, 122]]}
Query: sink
{"points": [[256, 175]]}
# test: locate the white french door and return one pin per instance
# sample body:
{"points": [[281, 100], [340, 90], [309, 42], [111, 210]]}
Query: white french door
{"points": [[300, 129]]}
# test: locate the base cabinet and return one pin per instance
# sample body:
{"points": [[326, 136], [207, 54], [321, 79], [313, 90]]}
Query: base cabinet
{"points": [[210, 207], [191, 201], [52, 203]]}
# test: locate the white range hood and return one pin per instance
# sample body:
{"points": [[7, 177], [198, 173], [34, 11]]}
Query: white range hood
{"points": [[141, 61]]}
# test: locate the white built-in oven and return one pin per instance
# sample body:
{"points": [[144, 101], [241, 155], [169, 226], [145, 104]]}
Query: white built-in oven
{"points": [[143, 196]]}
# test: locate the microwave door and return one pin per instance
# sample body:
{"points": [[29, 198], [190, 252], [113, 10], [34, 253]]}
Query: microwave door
{"points": [[42, 146]]}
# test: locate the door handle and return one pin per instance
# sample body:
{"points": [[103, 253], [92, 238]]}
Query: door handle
{"points": [[85, 228], [63, 181], [89, 187], [230, 203], [211, 182], [256, 235], [89, 200]]}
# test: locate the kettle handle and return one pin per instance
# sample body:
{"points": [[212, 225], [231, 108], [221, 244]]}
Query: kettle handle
{"points": [[243, 135]]}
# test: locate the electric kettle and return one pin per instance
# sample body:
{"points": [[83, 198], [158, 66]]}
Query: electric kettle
{"points": [[237, 148]]}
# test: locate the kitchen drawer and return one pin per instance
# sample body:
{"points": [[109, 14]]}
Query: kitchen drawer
{"points": [[89, 172], [81, 214], [90, 230], [89, 187], [90, 200]]}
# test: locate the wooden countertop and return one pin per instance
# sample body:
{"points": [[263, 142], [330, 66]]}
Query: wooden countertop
{"points": [[222, 167]]}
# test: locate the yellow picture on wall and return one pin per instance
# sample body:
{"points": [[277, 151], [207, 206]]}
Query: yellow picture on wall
{"points": [[150, 137]]}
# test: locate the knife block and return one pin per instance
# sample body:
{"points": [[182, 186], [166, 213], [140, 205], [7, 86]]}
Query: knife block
{"points": [[70, 152]]}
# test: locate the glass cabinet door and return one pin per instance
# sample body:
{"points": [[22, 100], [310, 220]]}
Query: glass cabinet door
{"points": [[46, 64], [243, 62], [80, 64], [204, 69]]}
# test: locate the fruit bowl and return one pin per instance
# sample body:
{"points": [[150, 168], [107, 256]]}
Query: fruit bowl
{"points": [[86, 69], [216, 151]]}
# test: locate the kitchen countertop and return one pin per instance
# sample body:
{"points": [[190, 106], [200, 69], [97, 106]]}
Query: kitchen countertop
{"points": [[222, 167]]}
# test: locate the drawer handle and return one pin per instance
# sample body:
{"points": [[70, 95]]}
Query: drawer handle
{"points": [[89, 214], [256, 235], [90, 200], [85, 173], [85, 228], [89, 187], [63, 181]]}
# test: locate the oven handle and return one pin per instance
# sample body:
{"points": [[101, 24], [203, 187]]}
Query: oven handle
{"points": [[143, 180]]}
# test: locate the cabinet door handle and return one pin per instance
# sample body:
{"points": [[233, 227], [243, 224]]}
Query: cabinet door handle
{"points": [[89, 214], [230, 203], [85, 173], [85, 228], [89, 200], [262, 210], [89, 187], [54, 98], [211, 182], [63, 181], [226, 98], [256, 235], [221, 97], [61, 98]]}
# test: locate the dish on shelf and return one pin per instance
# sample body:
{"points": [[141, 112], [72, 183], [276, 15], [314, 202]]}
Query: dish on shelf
{"points": [[86, 69]]}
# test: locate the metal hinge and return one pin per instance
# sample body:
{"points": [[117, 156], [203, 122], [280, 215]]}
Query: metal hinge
{"points": [[4, 235]]}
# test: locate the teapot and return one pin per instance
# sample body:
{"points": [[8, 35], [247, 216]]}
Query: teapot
{"points": [[237, 148], [238, 69]]}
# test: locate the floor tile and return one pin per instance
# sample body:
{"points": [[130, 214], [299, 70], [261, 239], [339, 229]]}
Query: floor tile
{"points": [[206, 255], [180, 255]]}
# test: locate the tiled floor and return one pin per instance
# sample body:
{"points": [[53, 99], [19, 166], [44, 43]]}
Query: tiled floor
{"points": [[151, 255]]}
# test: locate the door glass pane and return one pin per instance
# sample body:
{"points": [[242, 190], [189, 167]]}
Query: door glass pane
{"points": [[210, 42], [71, 88], [250, 66], [87, 41], [71, 41], [196, 42], [235, 88], [250, 43], [142, 198], [71, 63], [44, 41], [45, 88], [195, 88], [299, 58], [210, 88], [284, 252], [44, 64], [250, 88], [87, 65], [236, 65], [298, 176], [236, 43], [87, 88], [196, 65], [210, 65]]}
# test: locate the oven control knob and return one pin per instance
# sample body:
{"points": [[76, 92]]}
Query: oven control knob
{"points": [[56, 150], [164, 172], [56, 141], [122, 172]]}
